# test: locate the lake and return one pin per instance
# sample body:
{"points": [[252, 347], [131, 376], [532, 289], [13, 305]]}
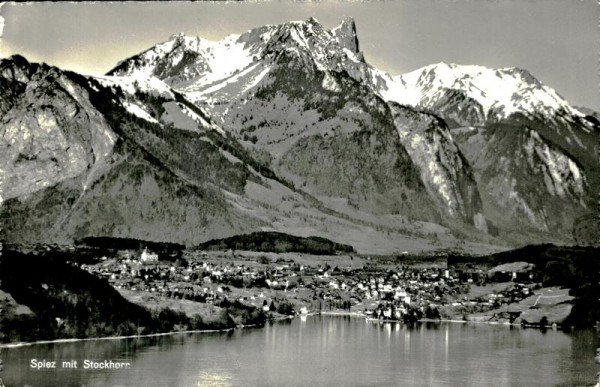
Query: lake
{"points": [[322, 350]]}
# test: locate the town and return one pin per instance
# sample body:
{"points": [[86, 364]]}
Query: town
{"points": [[383, 288]]}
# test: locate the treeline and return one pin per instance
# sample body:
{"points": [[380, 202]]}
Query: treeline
{"points": [[277, 242], [576, 268], [67, 302]]}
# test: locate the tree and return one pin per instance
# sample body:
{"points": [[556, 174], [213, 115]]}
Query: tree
{"points": [[285, 307]]}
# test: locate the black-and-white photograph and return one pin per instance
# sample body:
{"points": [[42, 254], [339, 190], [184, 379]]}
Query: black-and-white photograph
{"points": [[300, 193]]}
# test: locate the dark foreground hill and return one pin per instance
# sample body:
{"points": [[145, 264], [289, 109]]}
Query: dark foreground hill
{"points": [[45, 298]]}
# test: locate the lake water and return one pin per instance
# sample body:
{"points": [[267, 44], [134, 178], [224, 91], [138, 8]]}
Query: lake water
{"points": [[323, 350]]}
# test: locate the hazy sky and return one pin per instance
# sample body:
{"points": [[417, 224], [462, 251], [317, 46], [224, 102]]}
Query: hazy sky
{"points": [[556, 40]]}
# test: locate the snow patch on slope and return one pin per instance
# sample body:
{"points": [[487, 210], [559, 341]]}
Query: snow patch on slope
{"points": [[214, 60], [139, 112], [226, 57], [239, 80], [329, 83], [138, 82]]}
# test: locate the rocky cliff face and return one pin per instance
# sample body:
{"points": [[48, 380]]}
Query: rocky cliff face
{"points": [[50, 131], [446, 173], [526, 181]]}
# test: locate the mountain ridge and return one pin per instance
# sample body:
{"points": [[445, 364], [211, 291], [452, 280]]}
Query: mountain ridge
{"points": [[463, 97], [402, 151], [149, 192]]}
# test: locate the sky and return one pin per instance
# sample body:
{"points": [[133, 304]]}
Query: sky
{"points": [[556, 40]]}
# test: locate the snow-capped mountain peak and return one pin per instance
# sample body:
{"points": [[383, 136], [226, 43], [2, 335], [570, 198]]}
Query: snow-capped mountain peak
{"points": [[198, 67], [499, 92], [183, 59], [346, 35], [193, 57], [306, 38]]}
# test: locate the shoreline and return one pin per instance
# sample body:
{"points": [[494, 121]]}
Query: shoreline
{"points": [[241, 326], [425, 320], [73, 340], [335, 313]]}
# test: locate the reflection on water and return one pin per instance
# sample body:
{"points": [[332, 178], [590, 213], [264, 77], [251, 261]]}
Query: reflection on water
{"points": [[324, 351], [215, 379]]}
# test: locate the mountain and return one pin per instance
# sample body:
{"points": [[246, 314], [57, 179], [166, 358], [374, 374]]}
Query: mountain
{"points": [[497, 93], [491, 137], [80, 159], [535, 157], [324, 113], [131, 157], [288, 128], [198, 66]]}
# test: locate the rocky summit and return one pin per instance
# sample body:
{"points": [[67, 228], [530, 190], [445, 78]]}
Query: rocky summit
{"points": [[288, 128]]}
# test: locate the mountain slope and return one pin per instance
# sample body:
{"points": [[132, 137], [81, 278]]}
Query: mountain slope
{"points": [[302, 94]]}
